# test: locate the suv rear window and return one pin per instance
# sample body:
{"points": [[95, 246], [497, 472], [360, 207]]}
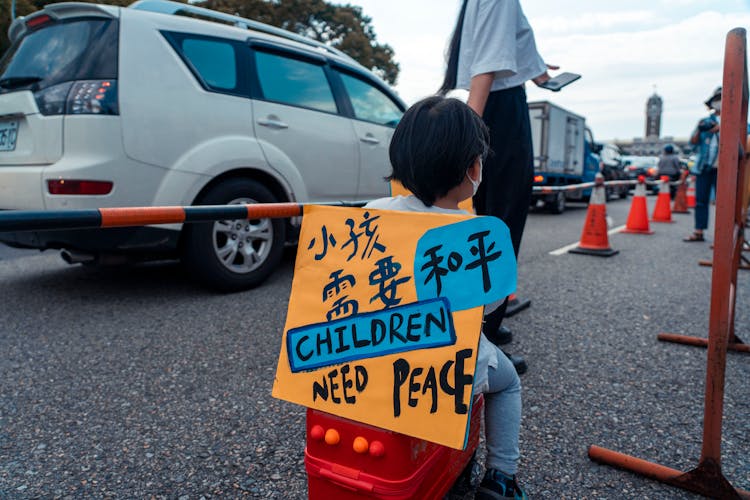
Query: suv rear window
{"points": [[81, 49], [213, 61]]}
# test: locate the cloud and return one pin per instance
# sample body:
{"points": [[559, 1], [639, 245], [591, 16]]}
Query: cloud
{"points": [[683, 60], [688, 3], [622, 50], [593, 22]]}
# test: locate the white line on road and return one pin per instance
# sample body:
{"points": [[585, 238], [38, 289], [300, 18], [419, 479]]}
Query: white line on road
{"points": [[567, 248]]}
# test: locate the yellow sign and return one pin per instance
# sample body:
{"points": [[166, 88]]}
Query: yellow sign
{"points": [[398, 189], [385, 313]]}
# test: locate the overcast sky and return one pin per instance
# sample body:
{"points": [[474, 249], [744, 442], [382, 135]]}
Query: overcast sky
{"points": [[622, 48]]}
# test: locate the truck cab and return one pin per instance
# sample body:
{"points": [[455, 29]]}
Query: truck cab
{"points": [[591, 159]]}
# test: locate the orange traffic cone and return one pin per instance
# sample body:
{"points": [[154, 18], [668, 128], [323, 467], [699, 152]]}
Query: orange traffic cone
{"points": [[516, 305], [638, 217], [680, 198], [594, 238], [691, 192], [662, 211]]}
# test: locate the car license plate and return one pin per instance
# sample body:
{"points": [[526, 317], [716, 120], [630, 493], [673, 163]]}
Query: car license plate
{"points": [[8, 135]]}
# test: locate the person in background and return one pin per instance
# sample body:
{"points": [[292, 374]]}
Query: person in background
{"points": [[669, 165], [492, 54], [436, 152], [706, 139]]}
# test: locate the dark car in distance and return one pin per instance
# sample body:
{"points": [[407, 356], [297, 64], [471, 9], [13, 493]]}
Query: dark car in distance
{"points": [[611, 166], [647, 166]]}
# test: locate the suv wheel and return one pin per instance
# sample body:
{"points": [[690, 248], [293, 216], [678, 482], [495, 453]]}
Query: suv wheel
{"points": [[233, 255]]}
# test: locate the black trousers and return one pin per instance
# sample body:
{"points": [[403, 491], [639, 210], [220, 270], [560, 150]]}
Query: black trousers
{"points": [[508, 172]]}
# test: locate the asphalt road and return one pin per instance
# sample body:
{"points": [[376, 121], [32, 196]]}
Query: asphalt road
{"points": [[135, 383], [7, 253]]}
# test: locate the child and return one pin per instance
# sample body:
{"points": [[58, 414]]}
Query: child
{"points": [[436, 153]]}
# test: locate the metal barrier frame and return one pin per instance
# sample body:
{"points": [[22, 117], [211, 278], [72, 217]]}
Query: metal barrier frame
{"points": [[43, 220], [731, 216], [52, 220]]}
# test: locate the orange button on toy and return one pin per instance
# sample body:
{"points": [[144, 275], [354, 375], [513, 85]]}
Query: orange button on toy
{"points": [[332, 436], [360, 445]]}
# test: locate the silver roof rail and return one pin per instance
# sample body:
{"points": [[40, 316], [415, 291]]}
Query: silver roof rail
{"points": [[168, 7]]}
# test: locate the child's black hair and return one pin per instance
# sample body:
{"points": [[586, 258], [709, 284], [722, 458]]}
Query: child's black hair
{"points": [[434, 145]]}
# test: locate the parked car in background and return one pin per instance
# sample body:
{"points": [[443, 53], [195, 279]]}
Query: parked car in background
{"points": [[108, 106], [643, 165], [611, 166]]}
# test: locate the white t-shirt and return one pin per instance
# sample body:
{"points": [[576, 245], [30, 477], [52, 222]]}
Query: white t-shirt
{"points": [[487, 354], [409, 204], [497, 38]]}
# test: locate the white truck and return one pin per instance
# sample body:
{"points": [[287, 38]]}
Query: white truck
{"points": [[562, 153]]}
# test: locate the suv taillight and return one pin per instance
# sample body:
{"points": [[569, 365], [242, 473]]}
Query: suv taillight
{"points": [[79, 187], [83, 97]]}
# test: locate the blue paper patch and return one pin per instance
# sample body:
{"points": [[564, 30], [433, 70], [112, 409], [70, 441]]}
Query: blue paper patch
{"points": [[471, 263]]}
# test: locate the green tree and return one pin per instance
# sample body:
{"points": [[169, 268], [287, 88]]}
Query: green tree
{"points": [[344, 27], [23, 7]]}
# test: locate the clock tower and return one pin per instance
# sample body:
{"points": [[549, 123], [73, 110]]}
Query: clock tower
{"points": [[653, 116]]}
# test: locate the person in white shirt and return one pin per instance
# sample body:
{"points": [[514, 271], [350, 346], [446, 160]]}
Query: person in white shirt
{"points": [[436, 153], [492, 54]]}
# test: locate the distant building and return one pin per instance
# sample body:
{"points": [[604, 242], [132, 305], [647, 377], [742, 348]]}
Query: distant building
{"points": [[652, 144]]}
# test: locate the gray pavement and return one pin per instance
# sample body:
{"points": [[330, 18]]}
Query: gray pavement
{"points": [[135, 383], [598, 374], [7, 253]]}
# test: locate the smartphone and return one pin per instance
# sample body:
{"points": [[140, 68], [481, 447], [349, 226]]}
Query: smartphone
{"points": [[560, 81]]}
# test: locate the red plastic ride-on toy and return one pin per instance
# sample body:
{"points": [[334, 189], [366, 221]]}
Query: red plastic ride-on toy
{"points": [[349, 460]]}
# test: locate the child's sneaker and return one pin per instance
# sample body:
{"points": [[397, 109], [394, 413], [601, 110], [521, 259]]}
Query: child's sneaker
{"points": [[497, 485]]}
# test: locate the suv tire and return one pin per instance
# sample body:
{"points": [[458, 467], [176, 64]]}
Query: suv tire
{"points": [[230, 256]]}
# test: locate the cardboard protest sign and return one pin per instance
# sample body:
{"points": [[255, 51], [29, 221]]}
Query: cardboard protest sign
{"points": [[398, 189], [385, 313]]}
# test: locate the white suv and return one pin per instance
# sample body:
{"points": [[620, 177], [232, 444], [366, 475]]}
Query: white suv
{"points": [[104, 106]]}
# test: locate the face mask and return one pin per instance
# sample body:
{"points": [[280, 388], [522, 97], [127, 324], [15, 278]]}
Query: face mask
{"points": [[716, 105], [476, 183]]}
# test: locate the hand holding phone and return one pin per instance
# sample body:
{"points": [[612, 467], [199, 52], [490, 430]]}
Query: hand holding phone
{"points": [[559, 81]]}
